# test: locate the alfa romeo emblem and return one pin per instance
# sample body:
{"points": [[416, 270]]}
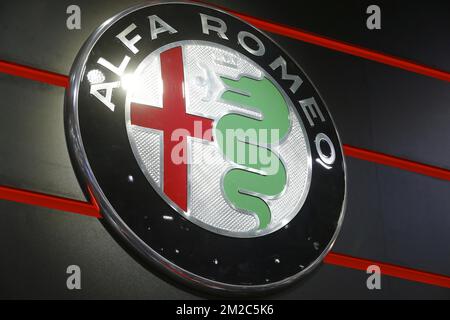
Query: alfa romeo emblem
{"points": [[209, 150]]}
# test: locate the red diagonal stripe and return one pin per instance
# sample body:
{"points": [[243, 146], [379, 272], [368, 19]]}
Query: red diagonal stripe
{"points": [[395, 162], [388, 269], [53, 202], [34, 74]]}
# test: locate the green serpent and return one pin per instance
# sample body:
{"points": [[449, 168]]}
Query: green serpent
{"points": [[249, 145]]}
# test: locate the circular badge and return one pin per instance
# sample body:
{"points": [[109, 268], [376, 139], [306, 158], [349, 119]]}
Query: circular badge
{"points": [[208, 149]]}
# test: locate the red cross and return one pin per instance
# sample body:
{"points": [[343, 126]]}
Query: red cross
{"points": [[171, 117]]}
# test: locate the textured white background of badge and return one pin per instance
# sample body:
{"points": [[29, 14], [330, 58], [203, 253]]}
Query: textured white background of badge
{"points": [[206, 202]]}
